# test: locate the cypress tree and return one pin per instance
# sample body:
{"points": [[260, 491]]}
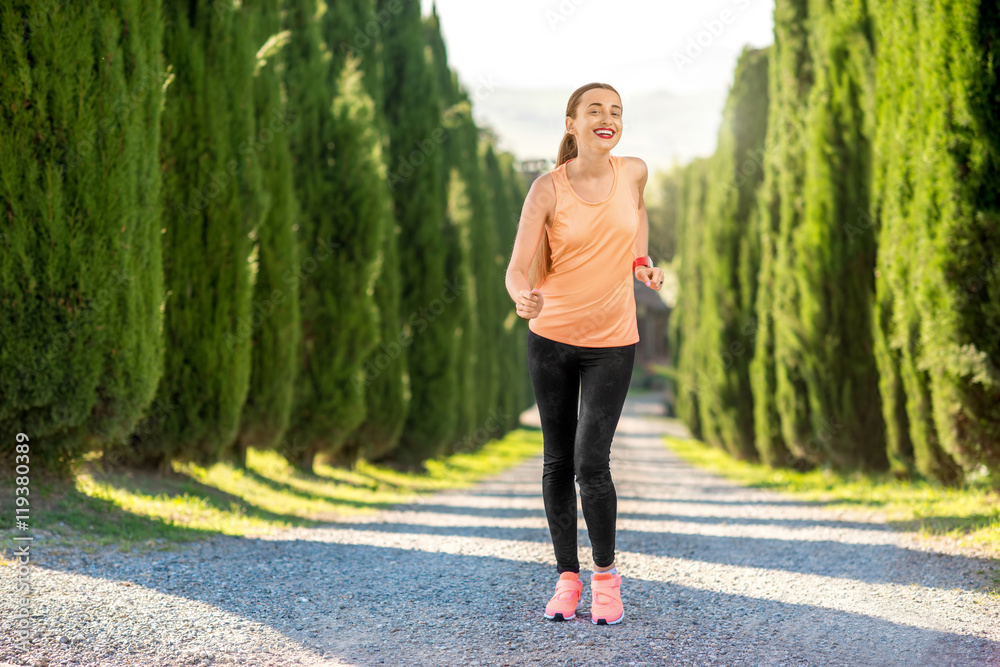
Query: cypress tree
{"points": [[385, 380], [355, 28], [81, 284], [469, 208], [795, 71], [489, 269], [273, 324], [212, 207], [728, 257], [784, 57], [463, 316], [939, 214], [458, 235], [833, 266], [517, 191], [386, 383], [416, 178], [337, 172], [902, 386], [506, 201], [686, 317]]}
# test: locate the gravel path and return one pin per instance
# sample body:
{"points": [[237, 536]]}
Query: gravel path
{"points": [[713, 574]]}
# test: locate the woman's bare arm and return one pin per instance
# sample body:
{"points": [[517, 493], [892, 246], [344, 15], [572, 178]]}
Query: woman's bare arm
{"points": [[639, 171], [539, 207]]}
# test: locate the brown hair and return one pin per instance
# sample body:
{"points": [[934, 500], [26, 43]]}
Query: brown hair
{"points": [[542, 262]]}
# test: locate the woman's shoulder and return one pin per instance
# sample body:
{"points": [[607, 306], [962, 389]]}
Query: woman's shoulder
{"points": [[637, 170], [635, 165], [543, 191]]}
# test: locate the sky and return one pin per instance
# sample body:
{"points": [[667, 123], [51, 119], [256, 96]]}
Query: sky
{"points": [[635, 45], [671, 61]]}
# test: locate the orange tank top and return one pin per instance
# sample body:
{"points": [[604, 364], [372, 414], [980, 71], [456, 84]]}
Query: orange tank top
{"points": [[589, 298]]}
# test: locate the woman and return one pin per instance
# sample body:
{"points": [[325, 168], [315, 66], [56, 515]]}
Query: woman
{"points": [[583, 232]]}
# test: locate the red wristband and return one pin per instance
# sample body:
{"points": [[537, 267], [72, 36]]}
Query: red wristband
{"points": [[640, 261]]}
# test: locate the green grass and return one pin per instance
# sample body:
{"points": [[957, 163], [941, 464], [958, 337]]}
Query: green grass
{"points": [[968, 516], [142, 510]]}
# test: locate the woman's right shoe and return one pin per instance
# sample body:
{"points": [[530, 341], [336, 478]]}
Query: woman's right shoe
{"points": [[562, 606]]}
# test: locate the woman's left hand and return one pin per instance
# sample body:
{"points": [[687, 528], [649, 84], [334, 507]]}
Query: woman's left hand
{"points": [[653, 277]]}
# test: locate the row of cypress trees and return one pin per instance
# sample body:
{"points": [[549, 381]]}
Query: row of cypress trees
{"points": [[838, 254], [267, 223]]}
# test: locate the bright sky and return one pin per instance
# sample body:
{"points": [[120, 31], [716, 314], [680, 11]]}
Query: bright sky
{"points": [[635, 45]]}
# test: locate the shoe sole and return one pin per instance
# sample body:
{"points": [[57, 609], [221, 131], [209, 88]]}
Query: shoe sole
{"points": [[559, 617], [602, 621]]}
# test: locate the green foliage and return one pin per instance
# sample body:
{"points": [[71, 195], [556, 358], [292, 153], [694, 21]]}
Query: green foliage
{"points": [[937, 197], [416, 177], [212, 207], [788, 72], [461, 170], [794, 70], [81, 283], [728, 253], [686, 317], [277, 218], [829, 330], [274, 322], [339, 176], [878, 320], [386, 381], [508, 338]]}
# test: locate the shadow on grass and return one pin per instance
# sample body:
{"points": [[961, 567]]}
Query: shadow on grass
{"points": [[291, 489], [74, 517]]}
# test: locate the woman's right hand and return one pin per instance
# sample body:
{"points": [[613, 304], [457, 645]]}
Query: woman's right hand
{"points": [[529, 304]]}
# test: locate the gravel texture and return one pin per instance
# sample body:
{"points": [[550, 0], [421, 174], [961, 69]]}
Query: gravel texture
{"points": [[713, 574]]}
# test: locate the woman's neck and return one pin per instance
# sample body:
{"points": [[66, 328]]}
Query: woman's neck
{"points": [[591, 164]]}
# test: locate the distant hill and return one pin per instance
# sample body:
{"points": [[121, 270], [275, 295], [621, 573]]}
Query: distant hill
{"points": [[660, 127]]}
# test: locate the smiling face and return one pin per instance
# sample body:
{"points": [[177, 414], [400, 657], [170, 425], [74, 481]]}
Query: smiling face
{"points": [[598, 120]]}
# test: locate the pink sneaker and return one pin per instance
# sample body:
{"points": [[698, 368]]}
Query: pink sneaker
{"points": [[606, 607], [562, 606]]}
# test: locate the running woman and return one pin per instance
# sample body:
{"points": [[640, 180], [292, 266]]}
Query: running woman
{"points": [[583, 233]]}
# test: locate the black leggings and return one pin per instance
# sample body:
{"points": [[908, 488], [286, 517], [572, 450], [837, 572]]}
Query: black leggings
{"points": [[579, 446]]}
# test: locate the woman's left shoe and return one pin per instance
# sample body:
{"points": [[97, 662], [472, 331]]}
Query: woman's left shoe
{"points": [[606, 607]]}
